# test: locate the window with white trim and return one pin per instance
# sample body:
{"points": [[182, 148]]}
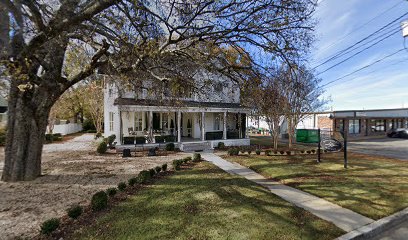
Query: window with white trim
{"points": [[138, 124], [111, 121], [217, 121]]}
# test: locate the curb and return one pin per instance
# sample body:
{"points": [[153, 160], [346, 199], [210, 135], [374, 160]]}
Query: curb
{"points": [[372, 229]]}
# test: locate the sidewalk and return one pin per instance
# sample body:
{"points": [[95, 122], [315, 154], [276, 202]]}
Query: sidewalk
{"points": [[341, 217]]}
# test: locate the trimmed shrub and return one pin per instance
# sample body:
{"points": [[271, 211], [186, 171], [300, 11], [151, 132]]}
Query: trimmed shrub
{"points": [[169, 138], [288, 153], [309, 152], [111, 192], [158, 169], [143, 176], [99, 201], [132, 181], [74, 212], [221, 145], [50, 226], [98, 135], [282, 152], [122, 186], [302, 151], [275, 152], [258, 152], [164, 167], [242, 150], [111, 138], [268, 152], [176, 164], [196, 157], [170, 146], [49, 137], [152, 172], [88, 126], [313, 151], [102, 147], [187, 159], [233, 151], [91, 131], [249, 152]]}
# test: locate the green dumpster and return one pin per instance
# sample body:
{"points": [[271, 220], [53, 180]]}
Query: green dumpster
{"points": [[307, 135]]}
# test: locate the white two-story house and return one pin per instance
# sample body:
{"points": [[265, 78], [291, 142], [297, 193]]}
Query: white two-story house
{"points": [[147, 116]]}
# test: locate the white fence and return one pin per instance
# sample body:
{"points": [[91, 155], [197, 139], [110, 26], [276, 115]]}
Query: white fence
{"points": [[65, 129]]}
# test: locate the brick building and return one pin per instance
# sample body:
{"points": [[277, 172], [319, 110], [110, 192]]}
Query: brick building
{"points": [[359, 123]]}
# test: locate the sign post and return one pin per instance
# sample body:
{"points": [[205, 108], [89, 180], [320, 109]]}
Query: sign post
{"points": [[318, 146], [345, 149]]}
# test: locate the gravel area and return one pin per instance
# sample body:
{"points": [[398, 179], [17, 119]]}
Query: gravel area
{"points": [[72, 172]]}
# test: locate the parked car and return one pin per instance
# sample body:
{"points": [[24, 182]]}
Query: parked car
{"points": [[398, 133]]}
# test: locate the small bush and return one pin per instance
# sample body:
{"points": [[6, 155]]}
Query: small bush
{"points": [[268, 152], [152, 172], [98, 135], [144, 176], [170, 147], [187, 159], [313, 151], [196, 157], [111, 192], [158, 169], [164, 167], [308, 152], [249, 152], [221, 145], [302, 151], [282, 152], [111, 138], [258, 152], [132, 181], [74, 212], [233, 151], [49, 137], [50, 226], [122, 186], [288, 153], [176, 164], [242, 150], [99, 201], [102, 147]]}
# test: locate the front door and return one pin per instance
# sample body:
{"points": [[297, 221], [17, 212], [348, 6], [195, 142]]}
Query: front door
{"points": [[156, 121]]}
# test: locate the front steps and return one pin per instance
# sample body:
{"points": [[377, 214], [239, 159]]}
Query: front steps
{"points": [[195, 146]]}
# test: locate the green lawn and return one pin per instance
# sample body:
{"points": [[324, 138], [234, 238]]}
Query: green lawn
{"points": [[206, 203], [372, 186]]}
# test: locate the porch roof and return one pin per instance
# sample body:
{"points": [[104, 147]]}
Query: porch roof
{"points": [[174, 103]]}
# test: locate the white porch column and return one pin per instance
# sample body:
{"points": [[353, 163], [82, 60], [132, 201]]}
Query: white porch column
{"points": [[178, 126], [239, 126], [224, 132], [150, 126], [202, 126]]}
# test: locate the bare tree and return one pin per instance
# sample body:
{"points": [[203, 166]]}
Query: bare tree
{"points": [[302, 95], [138, 35]]}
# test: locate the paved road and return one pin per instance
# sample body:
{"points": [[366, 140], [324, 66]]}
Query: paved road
{"points": [[388, 147], [399, 232]]}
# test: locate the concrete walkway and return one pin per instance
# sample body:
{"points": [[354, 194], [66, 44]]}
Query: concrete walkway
{"points": [[341, 217]]}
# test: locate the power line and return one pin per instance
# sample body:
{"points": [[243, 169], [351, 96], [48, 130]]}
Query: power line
{"points": [[362, 68], [362, 40], [357, 53], [390, 65], [361, 26]]}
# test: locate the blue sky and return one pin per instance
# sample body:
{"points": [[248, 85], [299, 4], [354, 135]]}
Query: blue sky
{"points": [[384, 84]]}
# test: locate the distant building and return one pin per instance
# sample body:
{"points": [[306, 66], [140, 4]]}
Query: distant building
{"points": [[358, 123]]}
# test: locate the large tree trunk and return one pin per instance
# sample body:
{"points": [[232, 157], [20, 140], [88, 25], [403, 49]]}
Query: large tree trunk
{"points": [[27, 122]]}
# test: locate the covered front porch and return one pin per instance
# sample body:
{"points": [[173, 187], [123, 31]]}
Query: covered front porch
{"points": [[148, 125]]}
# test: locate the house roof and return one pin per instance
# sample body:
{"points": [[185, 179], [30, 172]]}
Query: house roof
{"points": [[175, 103]]}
